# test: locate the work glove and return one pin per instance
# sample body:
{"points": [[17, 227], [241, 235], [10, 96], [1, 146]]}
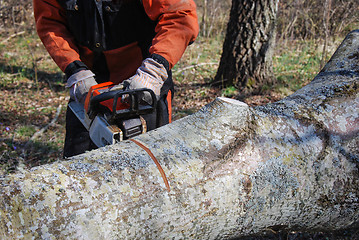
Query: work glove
{"points": [[79, 84], [151, 75]]}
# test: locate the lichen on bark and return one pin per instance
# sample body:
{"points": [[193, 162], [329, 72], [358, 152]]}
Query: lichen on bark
{"points": [[232, 171]]}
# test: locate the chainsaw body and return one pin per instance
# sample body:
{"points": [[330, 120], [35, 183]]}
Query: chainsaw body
{"points": [[112, 114]]}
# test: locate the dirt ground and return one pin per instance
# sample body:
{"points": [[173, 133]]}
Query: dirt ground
{"points": [[33, 103]]}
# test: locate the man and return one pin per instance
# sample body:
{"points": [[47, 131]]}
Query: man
{"points": [[131, 41]]}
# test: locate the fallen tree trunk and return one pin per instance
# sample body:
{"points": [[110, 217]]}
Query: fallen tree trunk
{"points": [[232, 171]]}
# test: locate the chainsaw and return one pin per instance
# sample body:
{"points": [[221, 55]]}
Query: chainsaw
{"points": [[112, 114]]}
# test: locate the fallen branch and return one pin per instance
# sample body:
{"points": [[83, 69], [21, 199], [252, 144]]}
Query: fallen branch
{"points": [[232, 171], [193, 66], [12, 36], [42, 130]]}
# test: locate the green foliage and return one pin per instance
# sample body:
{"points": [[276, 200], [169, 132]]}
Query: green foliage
{"points": [[200, 61], [296, 65], [229, 92], [250, 82], [5, 79], [26, 131], [31, 90], [31, 85]]}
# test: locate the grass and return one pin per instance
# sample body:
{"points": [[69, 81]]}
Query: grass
{"points": [[296, 65], [28, 104], [229, 92], [200, 61]]}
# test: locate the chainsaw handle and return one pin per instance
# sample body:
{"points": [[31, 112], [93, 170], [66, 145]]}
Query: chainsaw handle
{"points": [[96, 100], [134, 107], [134, 96]]}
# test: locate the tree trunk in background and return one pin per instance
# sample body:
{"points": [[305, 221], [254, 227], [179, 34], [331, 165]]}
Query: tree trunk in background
{"points": [[246, 60], [232, 171]]}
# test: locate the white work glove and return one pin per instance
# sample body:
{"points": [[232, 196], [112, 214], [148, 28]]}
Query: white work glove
{"points": [[79, 84], [151, 75]]}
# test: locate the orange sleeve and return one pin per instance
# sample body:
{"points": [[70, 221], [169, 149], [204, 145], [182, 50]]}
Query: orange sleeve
{"points": [[51, 28], [177, 26]]}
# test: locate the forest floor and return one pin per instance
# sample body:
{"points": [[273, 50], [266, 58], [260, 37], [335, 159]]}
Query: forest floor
{"points": [[33, 98]]}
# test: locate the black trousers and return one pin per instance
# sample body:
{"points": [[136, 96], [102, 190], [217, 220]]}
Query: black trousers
{"points": [[77, 139]]}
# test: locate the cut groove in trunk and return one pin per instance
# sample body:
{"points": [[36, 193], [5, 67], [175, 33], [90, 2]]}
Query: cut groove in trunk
{"points": [[232, 170]]}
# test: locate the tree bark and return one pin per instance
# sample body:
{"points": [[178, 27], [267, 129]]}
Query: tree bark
{"points": [[246, 61], [232, 171]]}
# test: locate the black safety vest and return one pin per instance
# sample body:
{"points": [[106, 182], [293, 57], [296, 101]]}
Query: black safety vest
{"points": [[108, 24], [102, 25]]}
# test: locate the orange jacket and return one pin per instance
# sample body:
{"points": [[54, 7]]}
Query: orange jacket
{"points": [[175, 26]]}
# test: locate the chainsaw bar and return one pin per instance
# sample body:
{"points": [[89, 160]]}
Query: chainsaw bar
{"points": [[101, 132], [113, 116]]}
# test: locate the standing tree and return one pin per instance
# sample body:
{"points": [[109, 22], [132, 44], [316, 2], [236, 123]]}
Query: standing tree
{"points": [[227, 171], [246, 60]]}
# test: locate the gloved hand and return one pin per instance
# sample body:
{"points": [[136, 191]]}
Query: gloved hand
{"points": [[79, 84], [150, 74]]}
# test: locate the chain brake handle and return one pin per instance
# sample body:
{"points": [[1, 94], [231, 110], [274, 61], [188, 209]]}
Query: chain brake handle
{"points": [[133, 98]]}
